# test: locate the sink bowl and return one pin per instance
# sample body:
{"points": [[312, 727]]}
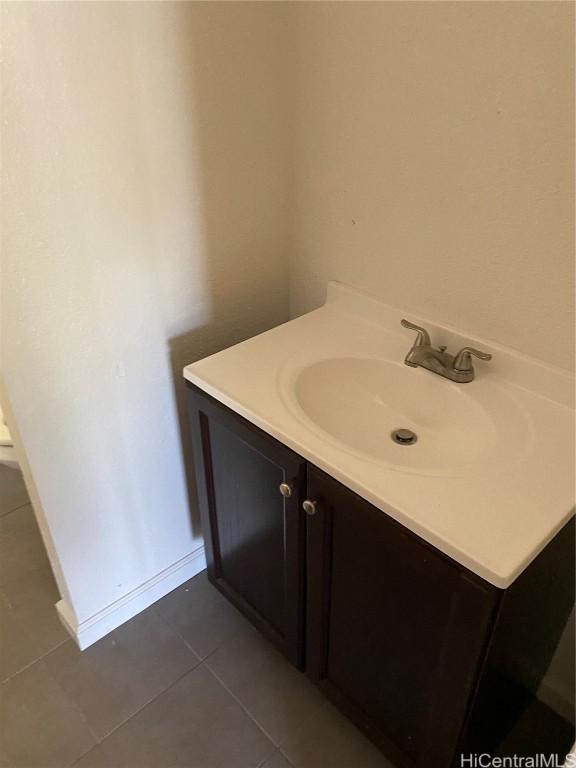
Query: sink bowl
{"points": [[360, 402]]}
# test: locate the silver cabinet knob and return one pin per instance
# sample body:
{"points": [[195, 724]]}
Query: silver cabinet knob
{"points": [[285, 490], [309, 507]]}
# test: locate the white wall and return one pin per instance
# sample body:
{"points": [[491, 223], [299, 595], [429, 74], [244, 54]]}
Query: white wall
{"points": [[434, 164], [144, 225]]}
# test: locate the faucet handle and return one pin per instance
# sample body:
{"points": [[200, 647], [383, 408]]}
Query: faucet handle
{"points": [[463, 360], [423, 338]]}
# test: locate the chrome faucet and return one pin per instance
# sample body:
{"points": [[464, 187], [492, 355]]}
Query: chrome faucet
{"points": [[457, 368]]}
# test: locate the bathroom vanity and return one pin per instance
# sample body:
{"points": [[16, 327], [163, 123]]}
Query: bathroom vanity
{"points": [[424, 586]]}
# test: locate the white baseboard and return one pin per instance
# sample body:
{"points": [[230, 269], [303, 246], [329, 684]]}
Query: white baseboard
{"points": [[100, 624]]}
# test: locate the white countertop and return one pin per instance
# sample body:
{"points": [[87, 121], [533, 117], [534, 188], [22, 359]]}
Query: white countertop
{"points": [[493, 517]]}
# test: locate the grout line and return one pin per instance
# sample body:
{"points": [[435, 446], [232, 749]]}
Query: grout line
{"points": [[74, 704], [101, 741], [276, 752], [147, 703], [196, 659], [203, 662], [291, 764], [247, 711], [175, 629], [68, 698], [98, 739], [83, 755], [34, 661], [9, 511], [200, 661]]}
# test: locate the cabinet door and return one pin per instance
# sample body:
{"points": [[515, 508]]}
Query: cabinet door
{"points": [[254, 535], [395, 630]]}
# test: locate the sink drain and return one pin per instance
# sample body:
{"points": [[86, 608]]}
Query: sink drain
{"points": [[404, 436]]}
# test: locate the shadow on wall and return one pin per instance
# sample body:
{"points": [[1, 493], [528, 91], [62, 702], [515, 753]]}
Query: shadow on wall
{"points": [[157, 177], [242, 108]]}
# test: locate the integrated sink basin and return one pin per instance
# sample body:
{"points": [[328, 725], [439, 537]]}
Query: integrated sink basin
{"points": [[360, 402], [490, 478]]}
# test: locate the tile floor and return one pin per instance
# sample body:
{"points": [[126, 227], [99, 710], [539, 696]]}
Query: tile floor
{"points": [[186, 684]]}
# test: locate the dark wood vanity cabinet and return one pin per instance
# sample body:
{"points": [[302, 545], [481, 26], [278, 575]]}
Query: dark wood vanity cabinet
{"points": [[395, 630], [254, 536], [427, 658]]}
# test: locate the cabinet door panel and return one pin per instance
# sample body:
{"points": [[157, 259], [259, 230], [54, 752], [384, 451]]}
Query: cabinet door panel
{"points": [[250, 523], [253, 534], [395, 631]]}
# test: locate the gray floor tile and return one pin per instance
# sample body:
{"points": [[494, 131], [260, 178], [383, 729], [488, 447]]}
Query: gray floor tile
{"points": [[203, 617], [276, 761], [41, 728], [13, 493], [277, 695], [194, 724], [327, 738], [33, 598], [17, 648], [21, 547], [122, 672]]}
